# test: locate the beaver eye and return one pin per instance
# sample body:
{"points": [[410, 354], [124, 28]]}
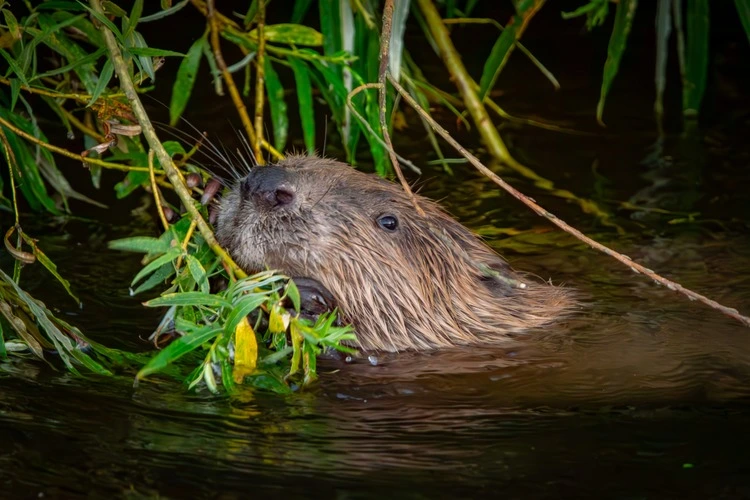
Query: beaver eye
{"points": [[388, 222]]}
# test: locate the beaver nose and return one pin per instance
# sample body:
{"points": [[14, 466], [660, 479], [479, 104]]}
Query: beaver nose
{"points": [[269, 186]]}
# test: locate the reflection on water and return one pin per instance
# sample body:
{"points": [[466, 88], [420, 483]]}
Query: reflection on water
{"points": [[642, 394]]}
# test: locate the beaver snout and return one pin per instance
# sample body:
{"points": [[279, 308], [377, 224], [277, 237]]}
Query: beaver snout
{"points": [[269, 187]]}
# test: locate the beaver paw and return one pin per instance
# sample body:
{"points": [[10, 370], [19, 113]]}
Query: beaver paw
{"points": [[315, 299]]}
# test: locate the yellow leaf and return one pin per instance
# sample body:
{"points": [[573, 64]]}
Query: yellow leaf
{"points": [[278, 320], [245, 351]]}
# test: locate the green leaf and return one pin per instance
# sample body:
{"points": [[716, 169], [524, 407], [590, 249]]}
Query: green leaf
{"points": [[292, 34], [183, 85], [106, 22], [743, 10], [242, 308], [189, 299], [78, 63], [141, 244], [157, 278], [144, 63], [179, 348], [293, 293], [198, 273], [152, 266], [112, 9], [12, 23], [663, 31], [277, 104], [135, 16], [42, 258], [104, 77], [164, 13], [14, 67], [504, 45], [696, 56], [617, 43], [15, 91], [300, 10], [151, 52], [305, 100], [133, 180], [3, 352], [56, 39]]}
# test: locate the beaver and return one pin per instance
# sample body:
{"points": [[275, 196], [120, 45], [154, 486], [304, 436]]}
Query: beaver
{"points": [[405, 280]]}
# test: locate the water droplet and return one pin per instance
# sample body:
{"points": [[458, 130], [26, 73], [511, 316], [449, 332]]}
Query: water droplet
{"points": [[373, 360]]}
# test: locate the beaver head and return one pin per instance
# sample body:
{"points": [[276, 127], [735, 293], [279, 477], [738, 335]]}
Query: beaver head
{"points": [[405, 280]]}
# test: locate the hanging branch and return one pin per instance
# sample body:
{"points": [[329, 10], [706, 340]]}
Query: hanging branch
{"points": [[174, 175], [634, 266]]}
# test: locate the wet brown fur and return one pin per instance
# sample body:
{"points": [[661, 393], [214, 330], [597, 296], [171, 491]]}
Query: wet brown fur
{"points": [[430, 284]]}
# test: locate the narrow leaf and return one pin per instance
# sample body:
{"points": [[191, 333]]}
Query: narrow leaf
{"points": [[292, 34], [305, 101], [183, 85], [696, 56], [663, 31], [743, 9], [49, 265], [248, 304], [104, 77], [177, 349], [617, 43], [189, 299], [135, 16], [142, 244], [525, 10], [152, 52], [169, 256], [198, 273], [277, 104]]}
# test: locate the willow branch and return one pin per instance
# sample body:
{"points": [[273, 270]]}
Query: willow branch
{"points": [[634, 266], [216, 21], [153, 141], [385, 43], [69, 154], [260, 78]]}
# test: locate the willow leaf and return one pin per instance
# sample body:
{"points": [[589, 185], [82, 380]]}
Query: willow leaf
{"points": [[617, 43], [525, 10], [696, 56]]}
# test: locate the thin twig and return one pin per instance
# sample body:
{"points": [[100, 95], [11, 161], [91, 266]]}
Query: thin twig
{"points": [[385, 43], [155, 189], [216, 21], [69, 154], [260, 78], [634, 266], [226, 75], [164, 159], [369, 128]]}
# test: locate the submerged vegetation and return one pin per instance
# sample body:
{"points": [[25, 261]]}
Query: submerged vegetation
{"points": [[88, 64]]}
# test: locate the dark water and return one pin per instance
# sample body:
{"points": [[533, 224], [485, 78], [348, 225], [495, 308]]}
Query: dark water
{"points": [[642, 395]]}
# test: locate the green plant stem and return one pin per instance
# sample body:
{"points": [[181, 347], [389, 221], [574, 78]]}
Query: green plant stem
{"points": [[634, 266], [466, 87], [260, 77], [164, 159]]}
